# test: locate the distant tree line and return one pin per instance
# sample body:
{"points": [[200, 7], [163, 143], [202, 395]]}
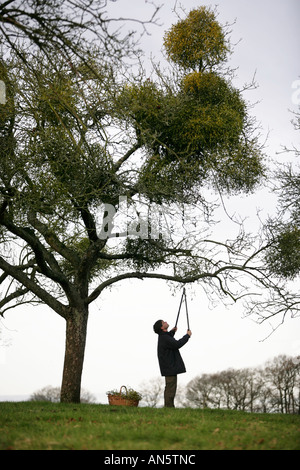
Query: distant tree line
{"points": [[52, 394], [274, 388]]}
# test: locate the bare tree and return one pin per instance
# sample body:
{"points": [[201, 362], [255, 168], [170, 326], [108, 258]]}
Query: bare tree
{"points": [[272, 388], [151, 391], [283, 375]]}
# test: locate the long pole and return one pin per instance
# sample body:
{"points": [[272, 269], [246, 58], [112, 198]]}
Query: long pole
{"points": [[186, 309], [179, 308]]}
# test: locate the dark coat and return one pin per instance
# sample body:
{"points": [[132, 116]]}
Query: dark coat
{"points": [[169, 358]]}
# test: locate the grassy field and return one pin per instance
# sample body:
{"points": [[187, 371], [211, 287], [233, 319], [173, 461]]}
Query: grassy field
{"points": [[48, 426]]}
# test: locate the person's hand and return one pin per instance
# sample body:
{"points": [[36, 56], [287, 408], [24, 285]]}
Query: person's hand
{"points": [[189, 333], [174, 329]]}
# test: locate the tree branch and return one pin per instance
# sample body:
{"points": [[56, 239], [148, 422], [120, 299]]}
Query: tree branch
{"points": [[53, 241], [125, 157], [14, 295], [31, 285], [144, 275], [44, 259]]}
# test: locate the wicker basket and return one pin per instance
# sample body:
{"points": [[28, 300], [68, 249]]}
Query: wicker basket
{"points": [[121, 400]]}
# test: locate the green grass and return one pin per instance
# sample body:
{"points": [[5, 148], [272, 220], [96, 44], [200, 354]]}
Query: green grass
{"points": [[37, 425]]}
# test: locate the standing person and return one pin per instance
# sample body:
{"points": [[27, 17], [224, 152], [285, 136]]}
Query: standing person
{"points": [[169, 358]]}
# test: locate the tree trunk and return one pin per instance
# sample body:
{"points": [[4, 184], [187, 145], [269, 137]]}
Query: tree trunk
{"points": [[76, 330]]}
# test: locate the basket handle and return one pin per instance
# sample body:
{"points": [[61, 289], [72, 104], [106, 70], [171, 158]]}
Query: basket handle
{"points": [[123, 386]]}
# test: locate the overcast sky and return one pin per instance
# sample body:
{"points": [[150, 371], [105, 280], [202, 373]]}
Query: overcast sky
{"points": [[121, 345]]}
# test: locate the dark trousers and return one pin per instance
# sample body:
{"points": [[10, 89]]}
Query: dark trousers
{"points": [[170, 390]]}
